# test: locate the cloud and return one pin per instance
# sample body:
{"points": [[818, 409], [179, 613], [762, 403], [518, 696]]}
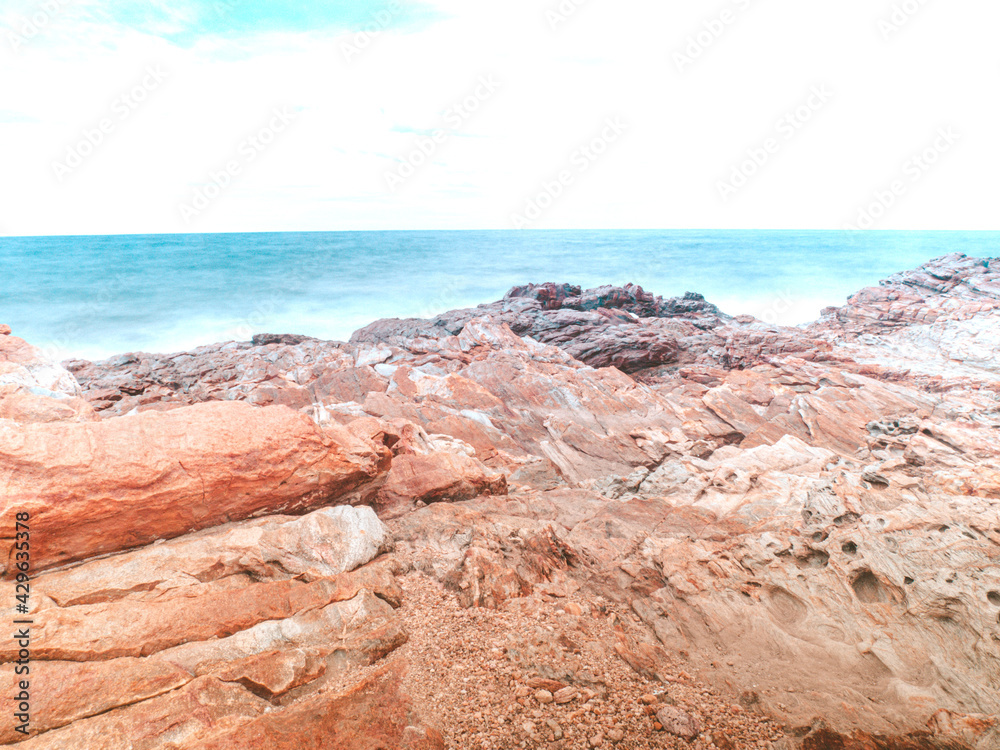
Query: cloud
{"points": [[371, 81]]}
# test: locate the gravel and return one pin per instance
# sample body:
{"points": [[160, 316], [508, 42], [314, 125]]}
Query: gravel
{"points": [[538, 675]]}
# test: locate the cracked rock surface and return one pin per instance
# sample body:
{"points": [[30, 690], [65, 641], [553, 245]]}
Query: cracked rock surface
{"points": [[569, 519]]}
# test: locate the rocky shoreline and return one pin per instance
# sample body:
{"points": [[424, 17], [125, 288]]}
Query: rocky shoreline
{"points": [[566, 519]]}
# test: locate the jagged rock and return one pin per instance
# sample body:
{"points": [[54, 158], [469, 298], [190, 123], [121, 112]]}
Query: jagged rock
{"points": [[931, 323], [416, 479], [35, 389], [264, 339], [953, 287]]}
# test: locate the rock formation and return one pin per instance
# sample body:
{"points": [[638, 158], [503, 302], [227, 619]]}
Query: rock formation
{"points": [[650, 524], [98, 487], [35, 389]]}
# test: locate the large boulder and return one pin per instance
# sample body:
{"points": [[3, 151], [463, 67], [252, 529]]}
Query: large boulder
{"points": [[34, 388], [100, 487]]}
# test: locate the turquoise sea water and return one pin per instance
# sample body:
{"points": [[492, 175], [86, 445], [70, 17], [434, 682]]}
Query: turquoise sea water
{"points": [[97, 296]]}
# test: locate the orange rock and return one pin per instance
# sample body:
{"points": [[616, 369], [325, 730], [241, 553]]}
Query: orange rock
{"points": [[565, 695], [326, 543], [679, 722], [274, 673], [135, 627], [191, 715], [94, 488], [360, 630], [728, 505], [33, 388], [26, 407], [541, 683], [63, 692], [435, 477], [17, 351], [733, 409], [373, 714], [978, 730]]}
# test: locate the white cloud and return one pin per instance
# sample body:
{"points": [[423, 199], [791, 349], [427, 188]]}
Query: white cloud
{"points": [[686, 129]]}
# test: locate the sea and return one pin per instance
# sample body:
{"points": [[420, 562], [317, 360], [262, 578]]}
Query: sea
{"points": [[93, 297]]}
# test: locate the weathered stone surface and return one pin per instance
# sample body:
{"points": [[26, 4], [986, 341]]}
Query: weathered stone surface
{"points": [[186, 718], [952, 287], [416, 479], [976, 730], [25, 365], [65, 692], [139, 626], [229, 372], [274, 673], [35, 389], [29, 405], [320, 545], [370, 716], [99, 487], [810, 517], [367, 621], [268, 634], [931, 324]]}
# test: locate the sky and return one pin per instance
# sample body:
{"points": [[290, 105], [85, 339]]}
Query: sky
{"points": [[254, 115]]}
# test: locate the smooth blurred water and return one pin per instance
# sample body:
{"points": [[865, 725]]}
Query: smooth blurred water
{"points": [[97, 296]]}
